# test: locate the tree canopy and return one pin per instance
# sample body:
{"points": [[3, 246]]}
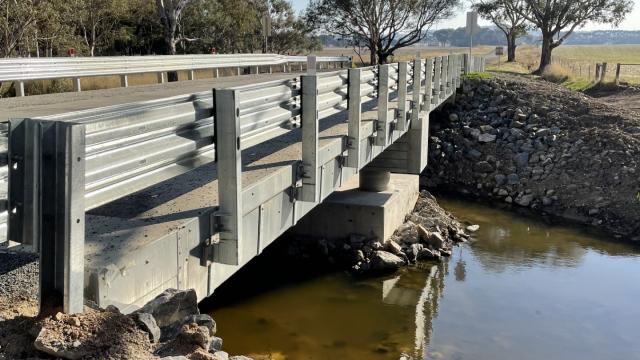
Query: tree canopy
{"points": [[381, 26], [140, 27]]}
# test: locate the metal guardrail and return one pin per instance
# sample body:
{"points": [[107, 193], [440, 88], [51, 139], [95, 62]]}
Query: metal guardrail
{"points": [[26, 69], [61, 166]]}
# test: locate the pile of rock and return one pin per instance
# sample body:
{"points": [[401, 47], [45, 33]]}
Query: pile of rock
{"points": [[428, 233], [169, 326], [536, 145]]}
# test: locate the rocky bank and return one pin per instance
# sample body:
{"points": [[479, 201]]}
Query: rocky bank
{"points": [[539, 146], [168, 327], [428, 233]]}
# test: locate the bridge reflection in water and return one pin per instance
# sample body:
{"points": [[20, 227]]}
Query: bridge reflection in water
{"points": [[523, 290]]}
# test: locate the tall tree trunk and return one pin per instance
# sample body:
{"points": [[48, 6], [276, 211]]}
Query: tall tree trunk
{"points": [[511, 48], [373, 54], [545, 55], [172, 76]]}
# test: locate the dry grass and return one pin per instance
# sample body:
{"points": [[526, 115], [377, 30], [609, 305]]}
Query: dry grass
{"points": [[556, 74], [405, 54], [579, 61], [38, 87]]}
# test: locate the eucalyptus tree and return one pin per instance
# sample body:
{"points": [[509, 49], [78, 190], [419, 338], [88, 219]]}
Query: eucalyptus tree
{"points": [[508, 16], [557, 19], [382, 26]]}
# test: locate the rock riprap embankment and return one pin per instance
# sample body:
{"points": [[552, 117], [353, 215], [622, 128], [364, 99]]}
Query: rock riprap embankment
{"points": [[534, 144], [428, 233]]}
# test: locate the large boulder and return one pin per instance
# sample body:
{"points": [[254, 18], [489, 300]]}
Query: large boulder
{"points": [[172, 306], [147, 322], [385, 261]]}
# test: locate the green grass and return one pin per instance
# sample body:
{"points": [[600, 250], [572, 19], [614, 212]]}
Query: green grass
{"points": [[479, 75], [578, 84]]}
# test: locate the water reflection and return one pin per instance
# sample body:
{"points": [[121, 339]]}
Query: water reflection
{"points": [[523, 290]]}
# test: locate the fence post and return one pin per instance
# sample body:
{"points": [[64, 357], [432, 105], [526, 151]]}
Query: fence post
{"points": [[62, 217], [403, 73], [382, 125], [617, 74], [417, 85], [311, 181], [603, 72], [355, 119], [228, 219]]}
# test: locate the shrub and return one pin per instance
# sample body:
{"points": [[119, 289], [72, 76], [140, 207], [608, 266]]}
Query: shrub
{"points": [[555, 73]]}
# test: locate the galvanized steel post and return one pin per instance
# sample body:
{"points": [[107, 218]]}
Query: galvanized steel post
{"points": [[417, 97], [382, 127], [428, 85], [354, 119], [229, 163], [403, 73], [437, 80], [63, 218], [310, 138]]}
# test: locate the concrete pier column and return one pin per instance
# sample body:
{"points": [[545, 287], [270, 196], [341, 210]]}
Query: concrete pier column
{"points": [[374, 180]]}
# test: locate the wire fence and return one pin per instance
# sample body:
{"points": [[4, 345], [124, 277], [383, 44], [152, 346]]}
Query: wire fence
{"points": [[619, 73]]}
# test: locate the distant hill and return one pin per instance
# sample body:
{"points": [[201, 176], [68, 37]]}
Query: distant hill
{"points": [[493, 36]]}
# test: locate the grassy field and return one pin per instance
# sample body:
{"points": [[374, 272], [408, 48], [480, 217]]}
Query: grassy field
{"points": [[578, 62], [405, 54]]}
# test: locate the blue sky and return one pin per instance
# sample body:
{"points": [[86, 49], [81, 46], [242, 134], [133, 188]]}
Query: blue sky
{"points": [[632, 21]]}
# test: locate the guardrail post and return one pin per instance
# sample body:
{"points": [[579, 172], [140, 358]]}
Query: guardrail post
{"points": [[417, 85], [311, 180], [229, 163], [382, 127], [191, 75], [124, 81], [403, 73], [162, 78], [443, 78], [437, 81], [76, 85], [24, 185], [62, 218], [467, 64], [270, 69], [354, 119], [311, 64], [19, 88], [618, 74], [444, 90], [428, 84], [238, 70], [216, 73]]}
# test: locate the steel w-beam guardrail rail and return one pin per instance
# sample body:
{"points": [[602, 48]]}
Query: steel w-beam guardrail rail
{"points": [[61, 166], [26, 69]]}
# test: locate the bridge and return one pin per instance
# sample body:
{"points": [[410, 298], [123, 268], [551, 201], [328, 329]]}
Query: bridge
{"points": [[127, 200]]}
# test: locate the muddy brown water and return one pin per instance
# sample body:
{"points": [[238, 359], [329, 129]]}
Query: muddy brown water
{"points": [[522, 290]]}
